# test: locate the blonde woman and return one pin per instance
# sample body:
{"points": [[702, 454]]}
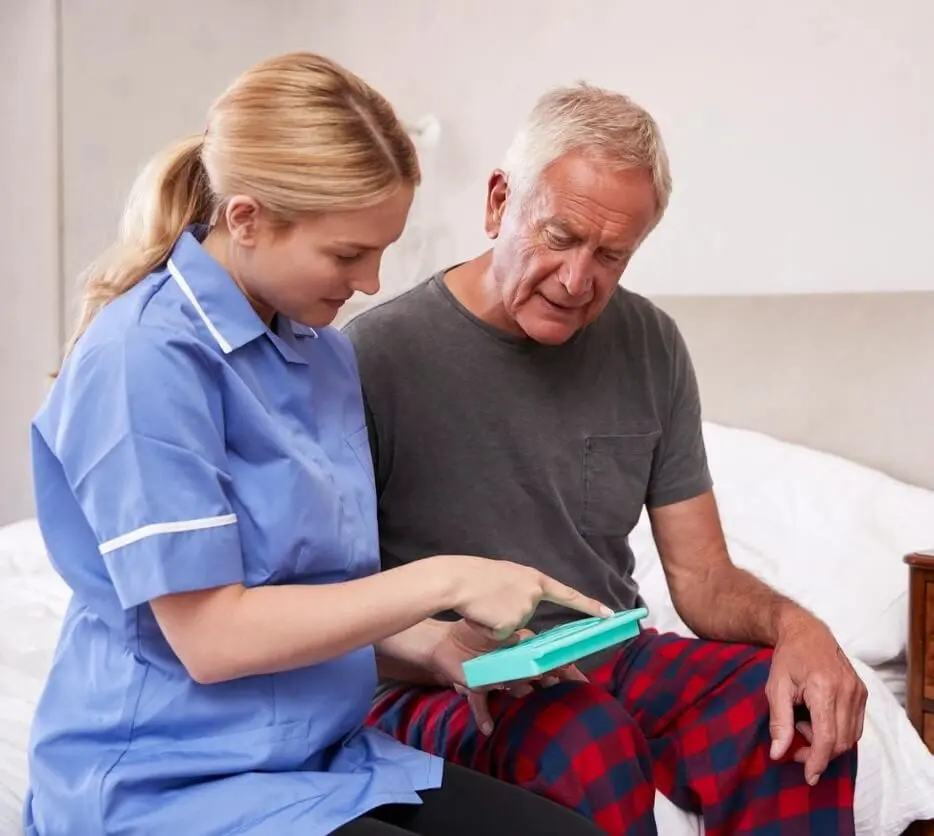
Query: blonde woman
{"points": [[204, 485]]}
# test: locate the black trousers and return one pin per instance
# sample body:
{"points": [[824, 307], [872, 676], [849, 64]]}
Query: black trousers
{"points": [[469, 803]]}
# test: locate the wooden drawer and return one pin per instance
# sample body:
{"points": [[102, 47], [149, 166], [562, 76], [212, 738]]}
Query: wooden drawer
{"points": [[929, 642], [920, 696]]}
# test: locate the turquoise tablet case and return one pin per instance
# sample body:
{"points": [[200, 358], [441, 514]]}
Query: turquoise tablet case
{"points": [[552, 649]]}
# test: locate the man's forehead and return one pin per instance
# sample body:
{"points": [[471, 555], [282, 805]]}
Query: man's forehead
{"points": [[579, 197]]}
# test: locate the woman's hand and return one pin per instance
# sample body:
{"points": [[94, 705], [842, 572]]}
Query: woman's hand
{"points": [[460, 641], [499, 597]]}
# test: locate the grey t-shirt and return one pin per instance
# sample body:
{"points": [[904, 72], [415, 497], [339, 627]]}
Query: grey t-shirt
{"points": [[488, 444]]}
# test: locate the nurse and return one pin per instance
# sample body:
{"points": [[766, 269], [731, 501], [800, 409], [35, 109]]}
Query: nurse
{"points": [[204, 485]]}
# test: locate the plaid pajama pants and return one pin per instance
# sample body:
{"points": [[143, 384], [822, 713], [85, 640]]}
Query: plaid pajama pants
{"points": [[685, 716]]}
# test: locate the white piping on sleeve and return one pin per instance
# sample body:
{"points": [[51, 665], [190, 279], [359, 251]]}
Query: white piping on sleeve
{"points": [[166, 528]]}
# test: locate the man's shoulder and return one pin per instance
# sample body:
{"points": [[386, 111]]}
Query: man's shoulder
{"points": [[635, 314]]}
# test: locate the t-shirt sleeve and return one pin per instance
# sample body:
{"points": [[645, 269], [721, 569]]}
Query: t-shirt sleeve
{"points": [[679, 469], [140, 439]]}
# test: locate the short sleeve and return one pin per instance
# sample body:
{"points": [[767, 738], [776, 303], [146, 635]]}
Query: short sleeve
{"points": [[680, 470], [138, 431]]}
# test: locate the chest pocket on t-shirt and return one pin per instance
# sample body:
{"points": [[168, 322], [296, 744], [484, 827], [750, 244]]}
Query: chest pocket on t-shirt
{"points": [[617, 469]]}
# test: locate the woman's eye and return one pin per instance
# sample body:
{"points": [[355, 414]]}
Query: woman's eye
{"points": [[348, 258]]}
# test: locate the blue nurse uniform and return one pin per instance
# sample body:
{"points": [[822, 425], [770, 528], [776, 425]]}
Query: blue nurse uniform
{"points": [[185, 446]]}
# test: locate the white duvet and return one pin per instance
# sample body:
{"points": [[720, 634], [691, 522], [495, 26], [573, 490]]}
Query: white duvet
{"points": [[826, 531]]}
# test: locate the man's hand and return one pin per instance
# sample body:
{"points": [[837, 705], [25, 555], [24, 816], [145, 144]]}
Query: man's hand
{"points": [[810, 669], [461, 642]]}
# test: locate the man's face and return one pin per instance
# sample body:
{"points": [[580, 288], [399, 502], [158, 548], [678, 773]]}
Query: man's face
{"points": [[559, 254]]}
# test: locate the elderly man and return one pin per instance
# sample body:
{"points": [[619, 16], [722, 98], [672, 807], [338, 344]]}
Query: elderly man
{"points": [[524, 405]]}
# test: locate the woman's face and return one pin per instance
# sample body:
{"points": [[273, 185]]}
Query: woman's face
{"points": [[306, 271]]}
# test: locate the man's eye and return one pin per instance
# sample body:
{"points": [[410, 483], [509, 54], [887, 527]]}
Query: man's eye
{"points": [[559, 242], [348, 258]]}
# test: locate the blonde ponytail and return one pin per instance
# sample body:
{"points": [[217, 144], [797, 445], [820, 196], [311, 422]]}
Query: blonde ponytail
{"points": [[171, 192], [297, 132]]}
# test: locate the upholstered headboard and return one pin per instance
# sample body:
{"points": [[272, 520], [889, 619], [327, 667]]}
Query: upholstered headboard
{"points": [[851, 374]]}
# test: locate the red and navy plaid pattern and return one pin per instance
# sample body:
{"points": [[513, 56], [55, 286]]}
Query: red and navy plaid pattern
{"points": [[688, 717]]}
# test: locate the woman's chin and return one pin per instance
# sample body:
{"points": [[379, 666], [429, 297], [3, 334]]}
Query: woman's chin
{"points": [[320, 315]]}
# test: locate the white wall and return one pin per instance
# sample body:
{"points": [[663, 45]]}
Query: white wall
{"points": [[801, 132], [29, 284]]}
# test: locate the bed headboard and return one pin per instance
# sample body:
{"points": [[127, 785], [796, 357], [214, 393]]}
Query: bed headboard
{"points": [[851, 374]]}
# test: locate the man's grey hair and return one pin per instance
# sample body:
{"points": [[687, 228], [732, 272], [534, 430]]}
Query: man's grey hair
{"points": [[594, 121]]}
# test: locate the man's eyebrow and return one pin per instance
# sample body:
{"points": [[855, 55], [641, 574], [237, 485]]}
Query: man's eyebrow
{"points": [[560, 225], [563, 227]]}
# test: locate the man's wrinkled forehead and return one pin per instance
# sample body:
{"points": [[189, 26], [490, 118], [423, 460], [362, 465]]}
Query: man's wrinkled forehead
{"points": [[611, 213], [571, 218]]}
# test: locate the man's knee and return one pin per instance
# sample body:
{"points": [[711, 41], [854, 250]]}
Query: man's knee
{"points": [[572, 727], [750, 680], [576, 744]]}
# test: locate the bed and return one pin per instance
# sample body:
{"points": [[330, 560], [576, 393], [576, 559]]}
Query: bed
{"points": [[818, 413]]}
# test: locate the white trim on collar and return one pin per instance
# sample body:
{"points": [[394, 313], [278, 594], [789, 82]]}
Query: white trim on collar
{"points": [[186, 289], [303, 330]]}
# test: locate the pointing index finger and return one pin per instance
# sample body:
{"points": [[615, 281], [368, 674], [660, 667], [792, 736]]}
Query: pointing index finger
{"points": [[557, 593]]}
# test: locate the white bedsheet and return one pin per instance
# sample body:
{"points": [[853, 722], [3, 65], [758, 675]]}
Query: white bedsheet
{"points": [[826, 531], [32, 601]]}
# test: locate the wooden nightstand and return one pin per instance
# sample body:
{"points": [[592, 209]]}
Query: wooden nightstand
{"points": [[921, 645], [920, 696]]}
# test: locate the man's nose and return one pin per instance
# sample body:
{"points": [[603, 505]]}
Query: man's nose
{"points": [[578, 274]]}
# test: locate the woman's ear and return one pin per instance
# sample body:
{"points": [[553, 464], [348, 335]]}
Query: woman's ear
{"points": [[243, 216]]}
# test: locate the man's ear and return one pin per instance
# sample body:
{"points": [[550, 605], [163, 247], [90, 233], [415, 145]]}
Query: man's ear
{"points": [[242, 215], [496, 193]]}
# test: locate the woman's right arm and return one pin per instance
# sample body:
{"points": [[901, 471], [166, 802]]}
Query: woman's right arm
{"points": [[233, 631]]}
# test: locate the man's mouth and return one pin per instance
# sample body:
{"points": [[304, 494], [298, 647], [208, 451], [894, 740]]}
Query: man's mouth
{"points": [[563, 307]]}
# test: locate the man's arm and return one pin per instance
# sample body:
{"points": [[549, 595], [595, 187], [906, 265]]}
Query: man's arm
{"points": [[715, 598], [407, 656], [720, 601]]}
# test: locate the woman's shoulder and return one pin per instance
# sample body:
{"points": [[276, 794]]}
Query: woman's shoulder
{"points": [[139, 328], [123, 373], [132, 363]]}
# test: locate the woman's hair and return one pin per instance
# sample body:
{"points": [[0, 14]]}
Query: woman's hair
{"points": [[298, 133]]}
